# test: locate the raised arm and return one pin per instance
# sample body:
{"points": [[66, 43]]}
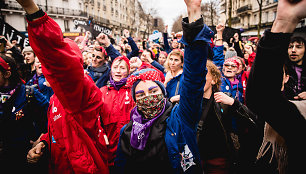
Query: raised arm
{"points": [[131, 42], [271, 55], [61, 59], [218, 57], [104, 40], [196, 36]]}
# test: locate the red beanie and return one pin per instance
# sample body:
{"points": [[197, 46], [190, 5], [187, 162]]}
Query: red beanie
{"points": [[127, 61]]}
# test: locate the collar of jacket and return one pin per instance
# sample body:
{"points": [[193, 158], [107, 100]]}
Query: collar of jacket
{"points": [[100, 69]]}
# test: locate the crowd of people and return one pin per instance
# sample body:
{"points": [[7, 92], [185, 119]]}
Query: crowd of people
{"points": [[187, 103]]}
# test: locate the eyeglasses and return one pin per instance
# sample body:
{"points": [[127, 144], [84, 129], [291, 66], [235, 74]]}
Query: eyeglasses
{"points": [[94, 56], [229, 65]]}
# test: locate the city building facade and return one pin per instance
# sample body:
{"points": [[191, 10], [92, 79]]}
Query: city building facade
{"points": [[116, 15], [245, 14]]}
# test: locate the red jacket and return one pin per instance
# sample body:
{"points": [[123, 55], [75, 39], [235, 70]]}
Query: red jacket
{"points": [[74, 136], [116, 113], [251, 60]]}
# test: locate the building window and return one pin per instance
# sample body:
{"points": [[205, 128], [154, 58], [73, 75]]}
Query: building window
{"points": [[104, 7], [66, 25], [267, 16]]}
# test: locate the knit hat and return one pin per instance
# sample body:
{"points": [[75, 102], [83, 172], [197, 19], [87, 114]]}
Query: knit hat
{"points": [[230, 53], [27, 49], [146, 74], [127, 61], [233, 60]]}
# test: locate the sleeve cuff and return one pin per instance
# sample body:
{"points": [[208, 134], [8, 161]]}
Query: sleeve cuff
{"points": [[270, 39]]}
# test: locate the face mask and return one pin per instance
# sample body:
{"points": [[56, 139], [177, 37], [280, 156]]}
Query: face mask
{"points": [[151, 105]]}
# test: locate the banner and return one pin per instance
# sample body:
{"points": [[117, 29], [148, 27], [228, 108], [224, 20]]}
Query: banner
{"points": [[156, 36], [10, 33], [95, 29]]}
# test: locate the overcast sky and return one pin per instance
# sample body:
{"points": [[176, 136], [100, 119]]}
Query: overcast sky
{"points": [[169, 10]]}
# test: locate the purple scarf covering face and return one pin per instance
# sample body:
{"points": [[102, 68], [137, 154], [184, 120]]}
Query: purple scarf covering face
{"points": [[117, 85], [141, 129]]}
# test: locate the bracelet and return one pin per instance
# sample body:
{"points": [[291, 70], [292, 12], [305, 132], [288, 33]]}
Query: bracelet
{"points": [[40, 13], [219, 39]]}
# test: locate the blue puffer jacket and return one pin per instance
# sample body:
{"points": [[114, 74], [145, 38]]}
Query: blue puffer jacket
{"points": [[236, 91], [181, 128]]}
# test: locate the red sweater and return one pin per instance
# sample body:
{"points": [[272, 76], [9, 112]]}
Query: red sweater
{"points": [[74, 137]]}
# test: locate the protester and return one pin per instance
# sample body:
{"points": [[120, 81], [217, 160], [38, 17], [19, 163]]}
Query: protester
{"points": [[230, 84], [40, 80], [174, 43], [162, 58], [242, 75], [161, 136], [296, 86], [174, 68], [236, 43], [286, 117], [226, 147], [23, 117], [74, 140], [117, 104], [148, 56], [218, 48], [131, 43], [250, 54], [29, 57]]}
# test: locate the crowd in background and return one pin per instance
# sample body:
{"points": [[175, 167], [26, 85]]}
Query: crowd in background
{"points": [[99, 78]]}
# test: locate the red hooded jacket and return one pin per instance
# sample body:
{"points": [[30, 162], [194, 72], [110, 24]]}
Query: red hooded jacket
{"points": [[75, 136], [116, 113]]}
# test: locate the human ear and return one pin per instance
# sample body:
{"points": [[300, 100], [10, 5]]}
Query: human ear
{"points": [[7, 74]]}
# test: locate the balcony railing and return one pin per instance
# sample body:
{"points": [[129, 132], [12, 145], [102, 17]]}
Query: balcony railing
{"points": [[244, 9], [13, 5]]}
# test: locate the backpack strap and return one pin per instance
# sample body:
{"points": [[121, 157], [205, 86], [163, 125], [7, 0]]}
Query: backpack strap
{"points": [[204, 116]]}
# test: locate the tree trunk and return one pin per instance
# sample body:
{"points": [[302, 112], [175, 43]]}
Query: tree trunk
{"points": [[260, 15], [211, 13], [230, 13]]}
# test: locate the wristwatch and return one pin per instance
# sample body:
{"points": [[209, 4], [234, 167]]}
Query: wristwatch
{"points": [[40, 13]]}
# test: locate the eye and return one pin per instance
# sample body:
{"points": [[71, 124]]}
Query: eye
{"points": [[140, 95]]}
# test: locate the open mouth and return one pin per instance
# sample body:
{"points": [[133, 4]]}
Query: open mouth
{"points": [[117, 76]]}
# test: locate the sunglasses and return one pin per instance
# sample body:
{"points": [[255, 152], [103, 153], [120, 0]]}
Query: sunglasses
{"points": [[94, 56], [229, 65]]}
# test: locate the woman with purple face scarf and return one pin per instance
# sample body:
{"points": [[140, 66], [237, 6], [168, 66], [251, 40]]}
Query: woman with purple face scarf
{"points": [[117, 104], [161, 137]]}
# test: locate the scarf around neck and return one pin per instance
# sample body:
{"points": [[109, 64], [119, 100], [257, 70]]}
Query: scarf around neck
{"points": [[117, 85], [141, 128]]}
